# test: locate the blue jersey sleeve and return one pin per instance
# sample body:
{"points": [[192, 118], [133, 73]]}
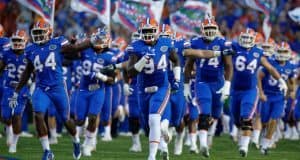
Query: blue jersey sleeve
{"points": [[61, 40]]}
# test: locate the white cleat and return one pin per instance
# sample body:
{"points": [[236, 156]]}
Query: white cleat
{"points": [[106, 138], [204, 151], [194, 150], [53, 140], [135, 148], [26, 135], [12, 148], [87, 151]]}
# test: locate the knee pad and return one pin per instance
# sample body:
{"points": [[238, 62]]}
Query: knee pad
{"points": [[134, 125], [246, 124], [204, 122]]}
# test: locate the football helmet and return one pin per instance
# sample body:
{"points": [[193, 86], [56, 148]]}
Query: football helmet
{"points": [[209, 28], [269, 47], [283, 52], [149, 30], [102, 38], [18, 40], [165, 30], [1, 31], [119, 43], [259, 39], [41, 32], [247, 38]]}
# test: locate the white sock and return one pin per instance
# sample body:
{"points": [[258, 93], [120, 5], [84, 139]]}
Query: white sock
{"points": [[226, 121], [298, 126], [211, 132], [15, 139], [136, 139], [255, 136], [89, 137], [9, 134], [245, 141], [107, 130], [94, 143], [78, 131], [193, 139], [234, 131], [154, 135], [45, 142], [203, 138], [53, 132]]}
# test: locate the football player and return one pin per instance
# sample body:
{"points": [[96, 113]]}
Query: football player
{"points": [[4, 43], [45, 58], [91, 91], [130, 88], [148, 59], [13, 59], [268, 46], [271, 96], [244, 95], [210, 87]]}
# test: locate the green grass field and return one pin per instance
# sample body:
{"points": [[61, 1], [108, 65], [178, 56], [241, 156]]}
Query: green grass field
{"points": [[223, 149]]}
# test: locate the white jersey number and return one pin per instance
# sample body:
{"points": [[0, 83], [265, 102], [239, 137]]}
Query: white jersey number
{"points": [[241, 65], [11, 68], [162, 65], [49, 62]]}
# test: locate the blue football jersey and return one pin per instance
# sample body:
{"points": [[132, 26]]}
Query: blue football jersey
{"points": [[47, 61], [245, 64], [179, 47], [155, 72], [209, 70], [15, 66], [4, 43], [270, 84], [76, 70], [92, 63]]}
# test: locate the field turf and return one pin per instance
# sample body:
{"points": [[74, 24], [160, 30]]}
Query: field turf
{"points": [[223, 149]]}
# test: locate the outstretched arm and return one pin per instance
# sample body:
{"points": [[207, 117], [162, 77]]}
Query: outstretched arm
{"points": [[270, 68], [197, 53], [25, 76], [72, 49], [135, 66]]}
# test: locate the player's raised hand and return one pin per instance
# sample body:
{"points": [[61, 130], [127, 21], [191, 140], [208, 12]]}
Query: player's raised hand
{"points": [[127, 89], [13, 101], [187, 92]]}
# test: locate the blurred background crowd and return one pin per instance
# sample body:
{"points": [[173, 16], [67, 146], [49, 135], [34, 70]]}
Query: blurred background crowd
{"points": [[231, 16]]}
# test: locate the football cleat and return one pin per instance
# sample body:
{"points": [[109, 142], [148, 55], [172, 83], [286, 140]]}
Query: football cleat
{"points": [[12, 148], [135, 148], [48, 155], [76, 151], [204, 151], [243, 152]]}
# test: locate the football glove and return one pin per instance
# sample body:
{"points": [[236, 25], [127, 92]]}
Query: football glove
{"points": [[187, 92]]}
